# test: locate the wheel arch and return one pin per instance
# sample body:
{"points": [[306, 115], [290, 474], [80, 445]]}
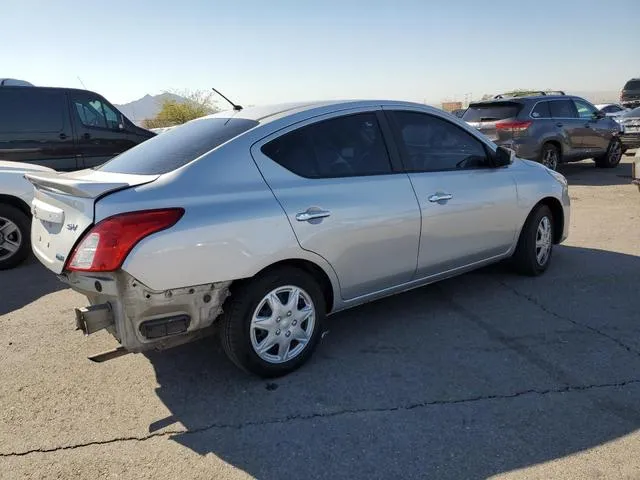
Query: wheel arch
{"points": [[558, 216], [15, 202], [313, 269]]}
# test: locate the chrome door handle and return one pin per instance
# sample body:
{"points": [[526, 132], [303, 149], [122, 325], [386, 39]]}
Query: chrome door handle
{"points": [[312, 214], [439, 197]]}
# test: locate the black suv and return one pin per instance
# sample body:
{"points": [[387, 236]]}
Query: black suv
{"points": [[62, 128], [630, 94], [550, 129]]}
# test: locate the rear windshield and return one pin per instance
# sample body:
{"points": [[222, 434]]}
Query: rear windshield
{"points": [[632, 85], [491, 112], [177, 147]]}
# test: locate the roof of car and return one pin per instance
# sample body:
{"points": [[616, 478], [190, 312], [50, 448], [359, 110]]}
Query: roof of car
{"points": [[267, 113], [526, 98]]}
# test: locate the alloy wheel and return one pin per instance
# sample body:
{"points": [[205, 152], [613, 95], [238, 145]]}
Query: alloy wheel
{"points": [[10, 238], [282, 324], [543, 241], [550, 158], [615, 153]]}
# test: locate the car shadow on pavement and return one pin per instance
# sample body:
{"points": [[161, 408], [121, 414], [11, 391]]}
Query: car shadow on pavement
{"points": [[478, 375], [585, 173], [24, 284]]}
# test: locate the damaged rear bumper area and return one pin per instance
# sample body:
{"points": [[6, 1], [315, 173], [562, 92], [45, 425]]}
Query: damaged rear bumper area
{"points": [[141, 318]]}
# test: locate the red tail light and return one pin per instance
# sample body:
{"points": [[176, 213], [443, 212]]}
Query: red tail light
{"points": [[518, 126], [107, 244]]}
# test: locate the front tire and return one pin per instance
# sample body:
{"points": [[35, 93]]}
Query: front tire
{"points": [[612, 158], [535, 245], [272, 323], [15, 227]]}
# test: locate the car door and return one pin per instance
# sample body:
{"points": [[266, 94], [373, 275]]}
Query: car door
{"points": [[469, 208], [344, 199], [35, 127], [98, 127], [570, 127], [598, 130]]}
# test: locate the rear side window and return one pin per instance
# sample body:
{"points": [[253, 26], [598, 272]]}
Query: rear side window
{"points": [[632, 85], [341, 147], [30, 109], [541, 110], [178, 146], [563, 109], [491, 112]]}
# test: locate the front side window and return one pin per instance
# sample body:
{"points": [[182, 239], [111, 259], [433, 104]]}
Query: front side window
{"points": [[585, 109], [431, 144], [340, 147], [563, 109], [94, 113]]}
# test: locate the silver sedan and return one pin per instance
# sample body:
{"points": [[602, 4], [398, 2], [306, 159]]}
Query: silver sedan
{"points": [[261, 222]]}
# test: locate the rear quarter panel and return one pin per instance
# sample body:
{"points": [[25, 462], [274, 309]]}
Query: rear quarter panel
{"points": [[233, 226]]}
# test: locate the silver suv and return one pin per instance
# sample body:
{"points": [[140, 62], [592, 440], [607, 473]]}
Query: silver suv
{"points": [[263, 221], [550, 129]]}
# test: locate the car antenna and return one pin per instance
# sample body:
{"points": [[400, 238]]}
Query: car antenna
{"points": [[237, 108]]}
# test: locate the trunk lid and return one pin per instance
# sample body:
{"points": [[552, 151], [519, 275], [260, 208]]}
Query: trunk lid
{"points": [[63, 208]]}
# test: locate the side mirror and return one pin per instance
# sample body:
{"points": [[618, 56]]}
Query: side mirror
{"points": [[599, 114], [503, 157]]}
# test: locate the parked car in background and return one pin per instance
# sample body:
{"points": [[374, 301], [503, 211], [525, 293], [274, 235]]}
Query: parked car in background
{"points": [[635, 171], [630, 94], [16, 194], [550, 129], [264, 220], [630, 122], [62, 128], [611, 109]]}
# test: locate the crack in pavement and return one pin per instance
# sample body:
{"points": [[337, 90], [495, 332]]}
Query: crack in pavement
{"points": [[311, 416], [568, 319]]}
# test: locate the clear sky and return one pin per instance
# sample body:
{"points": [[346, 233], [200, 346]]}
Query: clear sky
{"points": [[264, 51]]}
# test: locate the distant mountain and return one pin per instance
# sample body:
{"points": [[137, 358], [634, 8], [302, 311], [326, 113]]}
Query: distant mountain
{"points": [[600, 96], [146, 107]]}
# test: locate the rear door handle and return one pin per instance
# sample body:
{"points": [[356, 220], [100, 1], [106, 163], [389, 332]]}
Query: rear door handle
{"points": [[587, 125], [63, 136], [439, 197], [312, 214], [559, 124], [86, 136]]}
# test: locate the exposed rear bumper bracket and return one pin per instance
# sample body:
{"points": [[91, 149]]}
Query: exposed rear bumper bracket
{"points": [[94, 318], [111, 354]]}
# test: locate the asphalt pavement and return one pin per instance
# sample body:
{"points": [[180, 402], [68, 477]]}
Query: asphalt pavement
{"points": [[486, 375]]}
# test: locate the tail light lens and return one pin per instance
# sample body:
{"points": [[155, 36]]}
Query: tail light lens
{"points": [[107, 244], [515, 128]]}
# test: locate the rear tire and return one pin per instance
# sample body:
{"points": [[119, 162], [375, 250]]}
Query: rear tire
{"points": [[612, 158], [535, 245], [15, 228], [550, 156], [252, 301]]}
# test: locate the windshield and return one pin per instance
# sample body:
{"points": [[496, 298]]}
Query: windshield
{"points": [[491, 112], [178, 146]]}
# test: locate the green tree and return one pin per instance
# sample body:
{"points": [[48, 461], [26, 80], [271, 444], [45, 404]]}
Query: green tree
{"points": [[173, 112]]}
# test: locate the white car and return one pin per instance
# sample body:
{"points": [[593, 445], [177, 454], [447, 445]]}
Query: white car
{"points": [[16, 194], [611, 109]]}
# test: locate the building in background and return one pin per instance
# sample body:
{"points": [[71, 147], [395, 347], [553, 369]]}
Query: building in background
{"points": [[451, 106]]}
